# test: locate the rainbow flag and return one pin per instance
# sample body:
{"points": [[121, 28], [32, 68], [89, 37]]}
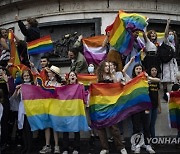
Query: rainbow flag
{"points": [[112, 103], [122, 29], [62, 110], [94, 52], [87, 79], [174, 109], [41, 45], [14, 54]]}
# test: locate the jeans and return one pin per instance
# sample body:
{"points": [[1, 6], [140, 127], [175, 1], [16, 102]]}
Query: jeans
{"points": [[153, 117]]}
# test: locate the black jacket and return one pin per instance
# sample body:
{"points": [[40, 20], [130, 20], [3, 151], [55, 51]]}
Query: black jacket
{"points": [[31, 33]]}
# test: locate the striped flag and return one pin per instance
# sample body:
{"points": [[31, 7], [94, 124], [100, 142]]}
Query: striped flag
{"points": [[94, 52], [174, 109], [87, 79], [13, 54], [63, 110], [41, 45], [112, 103], [121, 30]]}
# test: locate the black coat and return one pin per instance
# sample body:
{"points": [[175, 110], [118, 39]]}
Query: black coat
{"points": [[31, 33]]}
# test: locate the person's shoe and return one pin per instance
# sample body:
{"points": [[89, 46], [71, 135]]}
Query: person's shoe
{"points": [[91, 140], [122, 139], [111, 140], [45, 149], [18, 145], [4, 147], [165, 97], [137, 149], [133, 147], [65, 152], [75, 152], [56, 149], [123, 151], [144, 146], [149, 149], [104, 151]]}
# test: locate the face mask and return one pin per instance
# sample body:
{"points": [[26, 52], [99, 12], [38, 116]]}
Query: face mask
{"points": [[171, 38], [72, 60], [27, 80], [90, 69], [52, 78]]}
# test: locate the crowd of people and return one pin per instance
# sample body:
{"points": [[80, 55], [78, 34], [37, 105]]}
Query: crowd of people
{"points": [[115, 68]]}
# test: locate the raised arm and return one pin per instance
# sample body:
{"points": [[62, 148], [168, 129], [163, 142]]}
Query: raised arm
{"points": [[106, 40], [145, 37], [21, 26], [167, 28], [127, 65]]}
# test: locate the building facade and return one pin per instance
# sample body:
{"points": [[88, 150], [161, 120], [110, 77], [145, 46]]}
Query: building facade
{"points": [[90, 17]]}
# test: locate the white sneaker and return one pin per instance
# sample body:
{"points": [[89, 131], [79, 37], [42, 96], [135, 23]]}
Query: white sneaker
{"points": [[123, 151], [111, 139], [149, 149], [56, 149], [133, 147], [104, 151], [75, 152], [65, 152], [45, 149], [137, 149], [144, 146]]}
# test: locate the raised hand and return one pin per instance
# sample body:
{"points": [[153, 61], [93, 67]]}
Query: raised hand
{"points": [[16, 17]]}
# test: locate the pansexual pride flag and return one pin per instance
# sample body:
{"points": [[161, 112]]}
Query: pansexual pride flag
{"points": [[94, 52], [174, 109], [62, 110], [112, 103], [41, 45], [121, 30]]}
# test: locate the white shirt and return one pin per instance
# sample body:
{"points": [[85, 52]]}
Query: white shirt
{"points": [[150, 46]]}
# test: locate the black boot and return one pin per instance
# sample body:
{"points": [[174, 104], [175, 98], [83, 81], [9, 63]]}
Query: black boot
{"points": [[165, 97]]}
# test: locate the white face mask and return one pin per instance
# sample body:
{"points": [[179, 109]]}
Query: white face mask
{"points": [[52, 78], [171, 38], [72, 60], [91, 69], [27, 80]]}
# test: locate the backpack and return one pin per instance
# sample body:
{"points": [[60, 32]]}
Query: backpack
{"points": [[165, 53]]}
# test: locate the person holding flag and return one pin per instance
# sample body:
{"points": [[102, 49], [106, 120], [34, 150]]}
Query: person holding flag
{"points": [[31, 32]]}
